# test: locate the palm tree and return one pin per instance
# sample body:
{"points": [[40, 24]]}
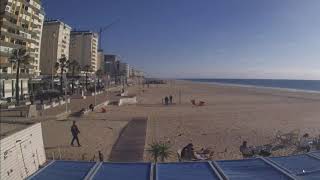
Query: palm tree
{"points": [[164, 151], [62, 64], [19, 57], [74, 66], [99, 74], [154, 150], [87, 69]]}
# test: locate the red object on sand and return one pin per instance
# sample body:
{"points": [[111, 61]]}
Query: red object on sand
{"points": [[201, 103]]}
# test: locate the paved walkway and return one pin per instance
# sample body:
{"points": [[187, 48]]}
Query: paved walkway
{"points": [[130, 144]]}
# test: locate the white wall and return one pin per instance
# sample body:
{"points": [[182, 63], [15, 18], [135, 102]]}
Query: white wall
{"points": [[22, 153]]}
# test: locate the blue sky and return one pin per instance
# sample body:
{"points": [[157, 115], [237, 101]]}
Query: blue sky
{"points": [[205, 38]]}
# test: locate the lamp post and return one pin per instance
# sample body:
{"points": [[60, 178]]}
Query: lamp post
{"points": [[65, 93], [53, 61], [95, 92]]}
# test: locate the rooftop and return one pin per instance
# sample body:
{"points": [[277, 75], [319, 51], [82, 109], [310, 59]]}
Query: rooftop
{"points": [[8, 128], [303, 166]]}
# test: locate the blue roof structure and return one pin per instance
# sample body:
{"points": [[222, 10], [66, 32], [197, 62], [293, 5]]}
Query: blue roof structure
{"points": [[120, 171], [186, 171], [304, 166], [64, 170], [250, 169]]}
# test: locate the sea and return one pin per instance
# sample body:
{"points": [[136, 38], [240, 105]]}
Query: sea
{"points": [[295, 85]]}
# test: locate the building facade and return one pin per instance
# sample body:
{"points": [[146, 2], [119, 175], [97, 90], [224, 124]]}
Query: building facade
{"points": [[84, 48], [100, 62], [55, 44], [124, 69], [21, 27], [112, 65]]}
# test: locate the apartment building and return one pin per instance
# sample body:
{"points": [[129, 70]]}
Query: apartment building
{"points": [[84, 48], [100, 60], [124, 69], [21, 27], [55, 44]]}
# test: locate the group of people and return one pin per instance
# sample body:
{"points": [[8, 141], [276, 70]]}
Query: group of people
{"points": [[167, 100]]}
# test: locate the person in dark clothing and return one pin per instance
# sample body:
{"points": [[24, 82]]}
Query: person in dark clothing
{"points": [[91, 107], [171, 99], [245, 150], [100, 156], [75, 131], [166, 100], [187, 152]]}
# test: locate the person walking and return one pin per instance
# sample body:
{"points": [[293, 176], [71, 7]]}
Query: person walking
{"points": [[166, 100], [75, 131], [91, 107], [170, 99], [100, 156]]}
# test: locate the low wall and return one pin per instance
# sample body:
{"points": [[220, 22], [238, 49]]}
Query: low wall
{"points": [[22, 153], [127, 101]]}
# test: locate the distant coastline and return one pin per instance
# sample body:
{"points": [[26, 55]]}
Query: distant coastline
{"points": [[311, 86]]}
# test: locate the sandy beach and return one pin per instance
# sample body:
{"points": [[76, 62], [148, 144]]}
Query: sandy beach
{"points": [[231, 115]]}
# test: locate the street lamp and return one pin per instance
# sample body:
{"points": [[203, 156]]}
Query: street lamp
{"points": [[53, 61]]}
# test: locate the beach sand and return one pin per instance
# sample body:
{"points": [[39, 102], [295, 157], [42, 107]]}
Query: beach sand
{"points": [[231, 115]]}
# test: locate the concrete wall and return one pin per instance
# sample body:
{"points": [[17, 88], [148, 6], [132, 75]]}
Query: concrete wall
{"points": [[128, 101], [22, 153]]}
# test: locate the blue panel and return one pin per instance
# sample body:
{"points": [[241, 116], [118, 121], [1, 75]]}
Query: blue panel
{"points": [[316, 154], [310, 176], [296, 164], [123, 171], [65, 170], [185, 171], [246, 169]]}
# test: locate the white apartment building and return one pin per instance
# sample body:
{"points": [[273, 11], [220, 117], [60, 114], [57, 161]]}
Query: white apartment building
{"points": [[55, 44], [84, 48], [124, 69], [21, 27]]}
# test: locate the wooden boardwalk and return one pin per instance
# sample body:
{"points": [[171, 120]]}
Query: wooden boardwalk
{"points": [[130, 145]]}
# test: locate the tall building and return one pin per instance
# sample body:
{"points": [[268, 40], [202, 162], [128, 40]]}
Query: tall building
{"points": [[21, 27], [55, 44], [84, 48], [124, 69], [111, 65], [100, 61]]}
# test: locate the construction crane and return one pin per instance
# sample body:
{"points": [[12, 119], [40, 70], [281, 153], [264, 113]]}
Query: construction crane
{"points": [[102, 29]]}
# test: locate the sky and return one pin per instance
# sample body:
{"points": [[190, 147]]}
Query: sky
{"points": [[272, 39]]}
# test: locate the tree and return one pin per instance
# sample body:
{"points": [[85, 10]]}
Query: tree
{"points": [[154, 150], [62, 64], [164, 151], [74, 66], [99, 74], [87, 69], [159, 150], [19, 58]]}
